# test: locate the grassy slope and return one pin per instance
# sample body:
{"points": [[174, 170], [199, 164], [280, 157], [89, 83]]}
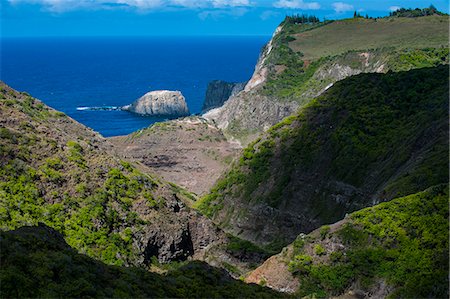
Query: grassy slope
{"points": [[306, 59], [36, 262], [403, 242], [341, 36], [396, 44], [56, 171], [371, 137]]}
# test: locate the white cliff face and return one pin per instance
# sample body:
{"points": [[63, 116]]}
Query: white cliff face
{"points": [[160, 103], [260, 74]]}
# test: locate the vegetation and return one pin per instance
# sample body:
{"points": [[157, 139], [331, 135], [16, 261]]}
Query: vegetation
{"points": [[243, 247], [414, 13], [37, 263], [22, 204], [301, 19], [70, 183], [335, 38], [360, 133], [403, 242], [293, 69], [305, 58]]}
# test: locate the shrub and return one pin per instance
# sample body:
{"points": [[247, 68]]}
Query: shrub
{"points": [[324, 230], [319, 250]]}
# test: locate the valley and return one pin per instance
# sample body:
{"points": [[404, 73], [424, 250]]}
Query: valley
{"points": [[323, 176]]}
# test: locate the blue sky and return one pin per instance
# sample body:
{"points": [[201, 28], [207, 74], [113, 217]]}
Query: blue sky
{"points": [[176, 17]]}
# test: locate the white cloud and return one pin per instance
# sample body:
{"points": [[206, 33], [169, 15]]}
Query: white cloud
{"points": [[394, 8], [341, 7], [217, 14], [188, 3], [67, 5], [296, 4], [268, 14], [230, 3], [143, 4]]}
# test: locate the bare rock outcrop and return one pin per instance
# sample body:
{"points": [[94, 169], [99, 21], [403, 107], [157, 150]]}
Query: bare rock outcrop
{"points": [[160, 103], [218, 92]]}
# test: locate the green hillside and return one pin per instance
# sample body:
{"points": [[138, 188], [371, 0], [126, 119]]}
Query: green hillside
{"points": [[56, 171], [37, 263], [397, 249], [304, 59], [301, 52], [369, 138], [340, 36]]}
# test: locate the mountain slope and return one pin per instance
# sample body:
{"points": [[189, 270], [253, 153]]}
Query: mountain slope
{"points": [[56, 171], [397, 249], [190, 152], [303, 60], [369, 138], [36, 262], [359, 34]]}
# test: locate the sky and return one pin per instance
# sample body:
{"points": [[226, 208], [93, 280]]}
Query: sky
{"points": [[39, 18]]}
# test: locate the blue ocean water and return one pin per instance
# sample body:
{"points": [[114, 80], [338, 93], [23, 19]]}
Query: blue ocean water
{"points": [[66, 73]]}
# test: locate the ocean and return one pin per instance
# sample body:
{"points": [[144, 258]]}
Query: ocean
{"points": [[66, 73]]}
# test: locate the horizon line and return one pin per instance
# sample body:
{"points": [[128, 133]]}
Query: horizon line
{"points": [[131, 36]]}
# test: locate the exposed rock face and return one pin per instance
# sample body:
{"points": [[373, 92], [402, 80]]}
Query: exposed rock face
{"points": [[300, 196], [218, 92], [160, 103], [248, 113], [190, 152], [261, 104], [275, 274], [261, 70]]}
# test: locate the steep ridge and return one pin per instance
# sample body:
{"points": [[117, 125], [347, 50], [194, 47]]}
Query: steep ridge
{"points": [[396, 249], [367, 139], [303, 60], [56, 171], [36, 262]]}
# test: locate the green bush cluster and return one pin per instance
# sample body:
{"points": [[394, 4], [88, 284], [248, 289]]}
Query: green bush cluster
{"points": [[36, 263], [243, 247], [405, 242], [418, 58], [417, 12], [76, 154], [34, 108], [96, 222]]}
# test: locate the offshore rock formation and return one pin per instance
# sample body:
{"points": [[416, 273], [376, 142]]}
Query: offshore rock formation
{"points": [[160, 103], [218, 92]]}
